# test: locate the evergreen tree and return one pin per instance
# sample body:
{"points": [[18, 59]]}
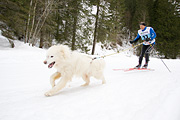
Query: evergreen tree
{"points": [[96, 25], [13, 15], [141, 13], [72, 24], [109, 21], [130, 6], [116, 21], [166, 25]]}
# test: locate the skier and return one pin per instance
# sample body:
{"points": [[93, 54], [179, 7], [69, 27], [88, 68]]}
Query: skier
{"points": [[148, 35]]}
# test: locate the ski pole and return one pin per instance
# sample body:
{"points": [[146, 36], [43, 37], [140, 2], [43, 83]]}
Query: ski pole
{"points": [[160, 57]]}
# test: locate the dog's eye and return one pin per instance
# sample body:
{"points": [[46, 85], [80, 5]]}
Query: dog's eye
{"points": [[52, 56]]}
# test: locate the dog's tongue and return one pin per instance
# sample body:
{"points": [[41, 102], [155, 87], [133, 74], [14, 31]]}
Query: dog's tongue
{"points": [[50, 65]]}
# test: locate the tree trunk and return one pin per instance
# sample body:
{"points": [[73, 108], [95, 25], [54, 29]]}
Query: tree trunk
{"points": [[32, 27], [41, 39], [27, 26], [95, 29], [40, 24], [11, 43], [74, 32], [74, 25]]}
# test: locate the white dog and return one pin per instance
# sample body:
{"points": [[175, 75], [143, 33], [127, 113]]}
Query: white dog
{"points": [[69, 64]]}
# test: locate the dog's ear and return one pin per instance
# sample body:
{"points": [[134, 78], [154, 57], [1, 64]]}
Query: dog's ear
{"points": [[65, 51]]}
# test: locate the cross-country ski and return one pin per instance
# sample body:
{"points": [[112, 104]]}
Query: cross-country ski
{"points": [[134, 69]]}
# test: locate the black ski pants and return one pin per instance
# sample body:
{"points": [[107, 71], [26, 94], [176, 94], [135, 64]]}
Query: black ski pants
{"points": [[146, 49]]}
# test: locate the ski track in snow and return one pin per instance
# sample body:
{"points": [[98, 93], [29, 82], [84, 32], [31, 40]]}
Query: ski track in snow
{"points": [[133, 95]]}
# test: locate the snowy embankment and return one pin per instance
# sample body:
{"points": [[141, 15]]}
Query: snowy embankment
{"points": [[135, 95]]}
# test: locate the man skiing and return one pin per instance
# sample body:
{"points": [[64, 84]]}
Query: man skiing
{"points": [[148, 35]]}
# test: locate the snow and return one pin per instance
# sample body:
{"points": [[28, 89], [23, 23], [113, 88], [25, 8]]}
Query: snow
{"points": [[135, 95], [3, 41]]}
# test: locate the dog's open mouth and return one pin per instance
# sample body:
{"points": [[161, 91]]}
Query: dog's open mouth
{"points": [[51, 65]]}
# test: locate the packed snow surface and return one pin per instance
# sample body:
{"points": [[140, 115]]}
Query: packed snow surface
{"points": [[133, 95]]}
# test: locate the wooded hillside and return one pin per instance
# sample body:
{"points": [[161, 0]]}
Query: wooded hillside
{"points": [[80, 23]]}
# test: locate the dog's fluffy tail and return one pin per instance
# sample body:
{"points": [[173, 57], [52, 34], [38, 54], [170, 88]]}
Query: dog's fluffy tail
{"points": [[98, 64], [97, 69]]}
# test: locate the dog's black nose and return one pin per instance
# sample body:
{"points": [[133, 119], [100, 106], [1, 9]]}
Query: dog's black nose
{"points": [[45, 62]]}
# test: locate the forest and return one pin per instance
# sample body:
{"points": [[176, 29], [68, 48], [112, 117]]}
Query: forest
{"points": [[80, 23]]}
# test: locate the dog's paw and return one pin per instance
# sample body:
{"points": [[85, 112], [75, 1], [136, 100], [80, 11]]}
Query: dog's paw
{"points": [[103, 82], [47, 94], [86, 84]]}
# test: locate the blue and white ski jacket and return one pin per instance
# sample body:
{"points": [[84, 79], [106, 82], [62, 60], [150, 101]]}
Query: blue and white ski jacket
{"points": [[148, 32]]}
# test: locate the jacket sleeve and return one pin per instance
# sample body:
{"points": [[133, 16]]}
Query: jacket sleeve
{"points": [[137, 38], [153, 34]]}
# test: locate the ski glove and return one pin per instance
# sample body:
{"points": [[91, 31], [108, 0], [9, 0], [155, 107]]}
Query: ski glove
{"points": [[131, 42], [147, 39]]}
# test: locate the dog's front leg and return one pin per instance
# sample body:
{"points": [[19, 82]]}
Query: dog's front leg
{"points": [[61, 84], [54, 77]]}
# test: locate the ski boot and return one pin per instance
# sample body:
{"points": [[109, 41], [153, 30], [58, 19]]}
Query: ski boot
{"points": [[138, 66], [145, 66]]}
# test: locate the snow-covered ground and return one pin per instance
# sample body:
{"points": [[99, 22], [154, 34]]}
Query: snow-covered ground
{"points": [[135, 95]]}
